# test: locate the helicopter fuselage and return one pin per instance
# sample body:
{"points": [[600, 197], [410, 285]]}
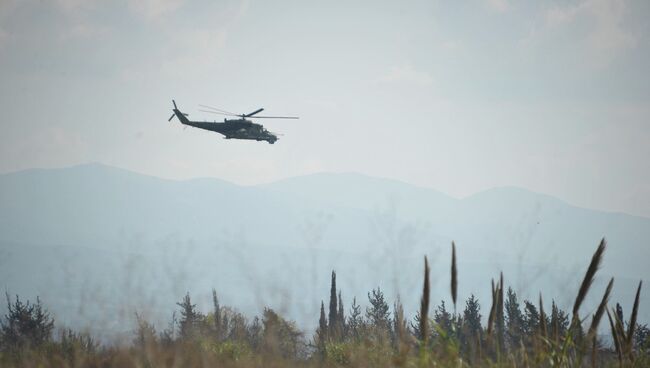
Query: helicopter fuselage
{"points": [[232, 128]]}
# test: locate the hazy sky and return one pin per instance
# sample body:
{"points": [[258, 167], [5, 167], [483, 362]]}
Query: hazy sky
{"points": [[456, 96]]}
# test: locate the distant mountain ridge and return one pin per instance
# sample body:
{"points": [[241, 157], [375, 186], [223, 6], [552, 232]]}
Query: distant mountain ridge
{"points": [[341, 181], [98, 204]]}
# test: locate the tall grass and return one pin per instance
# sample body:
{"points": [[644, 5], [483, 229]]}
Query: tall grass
{"points": [[223, 338]]}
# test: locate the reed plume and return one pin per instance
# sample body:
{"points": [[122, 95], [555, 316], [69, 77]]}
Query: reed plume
{"points": [[635, 310], [618, 323], [493, 308], [595, 321], [424, 305], [500, 321], [589, 277], [615, 337], [601, 310]]}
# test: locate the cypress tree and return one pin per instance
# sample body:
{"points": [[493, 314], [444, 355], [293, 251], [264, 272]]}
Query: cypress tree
{"points": [[341, 317], [322, 322], [321, 333], [217, 314], [333, 323]]}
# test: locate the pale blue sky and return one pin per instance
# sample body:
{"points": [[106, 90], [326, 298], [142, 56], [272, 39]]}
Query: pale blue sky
{"points": [[457, 96]]}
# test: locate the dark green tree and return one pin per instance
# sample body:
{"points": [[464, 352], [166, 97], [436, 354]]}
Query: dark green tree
{"points": [[26, 325], [321, 332], [514, 319], [355, 321], [190, 321], [472, 320], [415, 327], [443, 318], [333, 321], [642, 338], [559, 321], [255, 334], [531, 319], [378, 313], [218, 328]]}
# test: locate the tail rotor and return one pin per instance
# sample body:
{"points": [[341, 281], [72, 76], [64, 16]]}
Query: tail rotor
{"points": [[176, 111]]}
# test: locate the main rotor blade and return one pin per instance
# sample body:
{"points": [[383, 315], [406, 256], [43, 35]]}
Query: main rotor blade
{"points": [[171, 117], [252, 113], [219, 110], [276, 117], [219, 113]]}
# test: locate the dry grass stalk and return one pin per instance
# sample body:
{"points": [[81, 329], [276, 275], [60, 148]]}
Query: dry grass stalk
{"points": [[454, 275], [594, 352], [524, 353], [500, 321], [424, 304], [493, 309], [601, 310], [635, 311], [619, 326], [615, 337], [591, 335], [589, 278]]}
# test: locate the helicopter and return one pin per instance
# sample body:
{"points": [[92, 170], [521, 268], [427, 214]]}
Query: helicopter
{"points": [[241, 128]]}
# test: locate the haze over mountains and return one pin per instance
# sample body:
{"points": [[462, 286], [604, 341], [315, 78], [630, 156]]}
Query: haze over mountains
{"points": [[98, 243]]}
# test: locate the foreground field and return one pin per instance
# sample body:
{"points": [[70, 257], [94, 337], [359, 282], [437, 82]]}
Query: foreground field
{"points": [[515, 334]]}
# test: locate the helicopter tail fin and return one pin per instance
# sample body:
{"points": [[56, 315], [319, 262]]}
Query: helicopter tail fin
{"points": [[181, 116]]}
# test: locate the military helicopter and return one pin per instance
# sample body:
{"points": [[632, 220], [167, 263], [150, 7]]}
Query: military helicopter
{"points": [[240, 128]]}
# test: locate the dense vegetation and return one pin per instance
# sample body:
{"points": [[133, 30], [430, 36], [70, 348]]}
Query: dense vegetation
{"points": [[517, 333]]}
